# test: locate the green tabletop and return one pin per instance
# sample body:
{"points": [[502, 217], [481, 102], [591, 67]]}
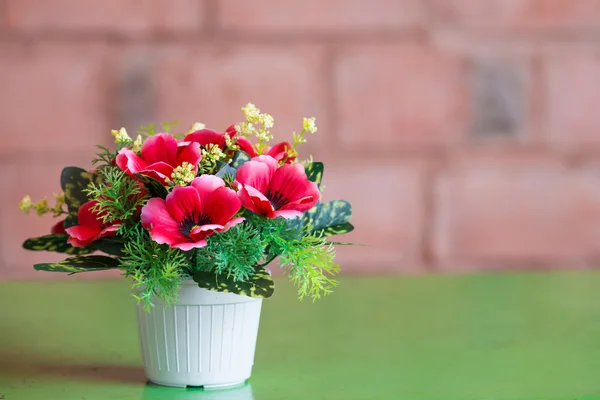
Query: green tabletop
{"points": [[501, 336]]}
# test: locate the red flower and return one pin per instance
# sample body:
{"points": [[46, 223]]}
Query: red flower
{"points": [[59, 228], [160, 155], [265, 188], [280, 152], [190, 214], [90, 227], [208, 136]]}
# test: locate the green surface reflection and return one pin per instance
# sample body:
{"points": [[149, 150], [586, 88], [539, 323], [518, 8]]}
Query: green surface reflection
{"points": [[156, 392], [509, 336]]}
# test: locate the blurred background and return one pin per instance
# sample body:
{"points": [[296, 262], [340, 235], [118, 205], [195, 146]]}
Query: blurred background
{"points": [[466, 133]]}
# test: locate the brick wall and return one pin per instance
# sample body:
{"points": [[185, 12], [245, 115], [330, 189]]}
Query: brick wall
{"points": [[466, 133]]}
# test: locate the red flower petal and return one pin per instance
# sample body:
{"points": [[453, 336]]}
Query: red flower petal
{"points": [[302, 204], [202, 232], [129, 162], [86, 217], [257, 172], [59, 228], [260, 203], [290, 182], [206, 137], [246, 199], [280, 151], [159, 171], [110, 230], [183, 203], [206, 185], [186, 246], [190, 152], [81, 235], [161, 147], [246, 146], [221, 205], [233, 223], [161, 225], [287, 214]]}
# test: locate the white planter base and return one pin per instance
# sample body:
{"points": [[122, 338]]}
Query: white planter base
{"points": [[207, 339]]}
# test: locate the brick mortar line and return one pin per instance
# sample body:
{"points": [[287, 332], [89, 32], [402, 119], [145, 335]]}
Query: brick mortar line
{"points": [[215, 36], [213, 31]]}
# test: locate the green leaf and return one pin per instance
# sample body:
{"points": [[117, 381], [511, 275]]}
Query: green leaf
{"points": [[239, 158], [155, 188], [80, 264], [74, 181], [225, 171], [327, 219], [314, 172], [259, 286], [56, 243], [109, 245]]}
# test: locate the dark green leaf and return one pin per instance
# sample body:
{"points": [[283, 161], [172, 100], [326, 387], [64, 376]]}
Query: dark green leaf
{"points": [[155, 188], [338, 229], [239, 158], [325, 218], [56, 243], [109, 245], [314, 172], [259, 286], [80, 264], [74, 181], [225, 171]]}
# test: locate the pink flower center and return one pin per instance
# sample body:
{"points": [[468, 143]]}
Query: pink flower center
{"points": [[276, 199]]}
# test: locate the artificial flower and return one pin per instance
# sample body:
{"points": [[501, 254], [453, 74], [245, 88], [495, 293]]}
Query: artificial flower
{"points": [[208, 136], [59, 228], [160, 155], [190, 214], [281, 152], [90, 226], [266, 188]]}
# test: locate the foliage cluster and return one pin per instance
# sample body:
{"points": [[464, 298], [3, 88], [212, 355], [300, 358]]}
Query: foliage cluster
{"points": [[232, 260]]}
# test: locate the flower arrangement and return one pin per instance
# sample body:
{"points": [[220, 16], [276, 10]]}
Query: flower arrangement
{"points": [[213, 206]]}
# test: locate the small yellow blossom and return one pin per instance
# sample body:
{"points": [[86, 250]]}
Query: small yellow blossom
{"points": [[263, 135], [60, 201], [183, 174], [121, 136], [25, 204], [60, 197], [308, 124], [41, 207], [230, 143], [137, 144], [213, 153], [196, 126], [267, 120], [252, 113]]}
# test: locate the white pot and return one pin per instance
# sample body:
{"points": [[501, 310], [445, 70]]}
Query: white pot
{"points": [[207, 339]]}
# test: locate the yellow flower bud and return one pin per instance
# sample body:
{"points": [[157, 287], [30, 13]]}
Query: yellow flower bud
{"points": [[121, 136], [196, 126], [184, 174], [267, 120], [41, 207], [137, 144], [252, 113], [25, 204], [308, 124]]}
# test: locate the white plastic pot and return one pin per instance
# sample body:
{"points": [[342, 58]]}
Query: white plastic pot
{"points": [[207, 339]]}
